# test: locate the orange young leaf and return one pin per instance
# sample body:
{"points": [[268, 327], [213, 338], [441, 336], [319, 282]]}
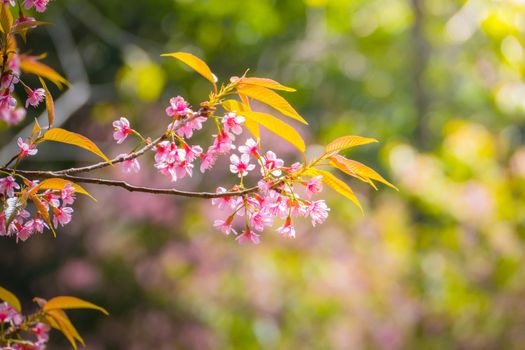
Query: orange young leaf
{"points": [[59, 184], [71, 138], [59, 320], [66, 302], [50, 104], [6, 19], [272, 99], [11, 299], [30, 65], [36, 128], [265, 82], [278, 127], [196, 64], [358, 170], [345, 142], [333, 182]]}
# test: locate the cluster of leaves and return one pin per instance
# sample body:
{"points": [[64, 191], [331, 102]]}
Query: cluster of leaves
{"points": [[19, 330]]}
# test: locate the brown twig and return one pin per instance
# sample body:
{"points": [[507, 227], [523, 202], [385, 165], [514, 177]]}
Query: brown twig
{"points": [[35, 174]]}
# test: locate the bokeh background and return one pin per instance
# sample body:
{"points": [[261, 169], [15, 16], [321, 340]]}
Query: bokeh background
{"points": [[437, 265]]}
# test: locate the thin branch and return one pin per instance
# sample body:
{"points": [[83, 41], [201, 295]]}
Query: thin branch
{"points": [[35, 174], [203, 112]]}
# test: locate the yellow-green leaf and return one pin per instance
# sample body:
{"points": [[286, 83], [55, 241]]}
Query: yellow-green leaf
{"points": [[6, 19], [11, 299], [66, 302], [358, 170], [265, 82], [344, 142], [50, 104], [333, 182], [71, 138], [59, 320], [272, 99], [30, 65], [278, 127], [59, 184], [36, 128], [196, 64]]}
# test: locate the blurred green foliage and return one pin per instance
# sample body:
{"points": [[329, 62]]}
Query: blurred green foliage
{"points": [[436, 265]]}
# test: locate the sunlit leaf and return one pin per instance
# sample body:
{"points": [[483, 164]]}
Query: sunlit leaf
{"points": [[67, 302], [41, 208], [358, 170], [333, 182], [50, 104], [265, 82], [345, 142], [59, 320], [71, 138], [11, 299], [195, 63], [6, 19], [30, 65], [59, 184], [270, 98], [278, 127], [36, 128]]}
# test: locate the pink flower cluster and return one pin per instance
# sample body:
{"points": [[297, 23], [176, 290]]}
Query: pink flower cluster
{"points": [[16, 221], [9, 317], [9, 112], [276, 197]]}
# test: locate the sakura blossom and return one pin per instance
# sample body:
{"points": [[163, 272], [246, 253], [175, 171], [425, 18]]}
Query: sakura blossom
{"points": [[39, 5], [26, 149], [35, 97], [131, 166], [178, 107], [8, 186], [241, 165], [122, 130], [233, 123]]}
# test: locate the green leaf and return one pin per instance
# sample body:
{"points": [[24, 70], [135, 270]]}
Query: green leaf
{"points": [[50, 104]]}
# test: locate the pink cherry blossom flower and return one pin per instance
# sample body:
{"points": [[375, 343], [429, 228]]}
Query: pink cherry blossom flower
{"points": [[259, 220], [39, 5], [248, 236], [8, 186], [226, 201], [62, 216], [68, 194], [241, 166], [271, 162], [223, 142], [232, 122], [178, 107], [34, 97], [122, 129], [26, 149], [9, 2], [225, 226], [287, 229], [318, 211], [9, 314], [314, 185], [131, 165], [36, 225], [24, 232], [192, 152], [41, 330], [251, 147], [7, 101], [163, 150], [207, 160]]}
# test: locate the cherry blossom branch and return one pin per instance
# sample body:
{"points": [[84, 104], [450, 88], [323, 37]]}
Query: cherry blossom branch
{"points": [[35, 174]]}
